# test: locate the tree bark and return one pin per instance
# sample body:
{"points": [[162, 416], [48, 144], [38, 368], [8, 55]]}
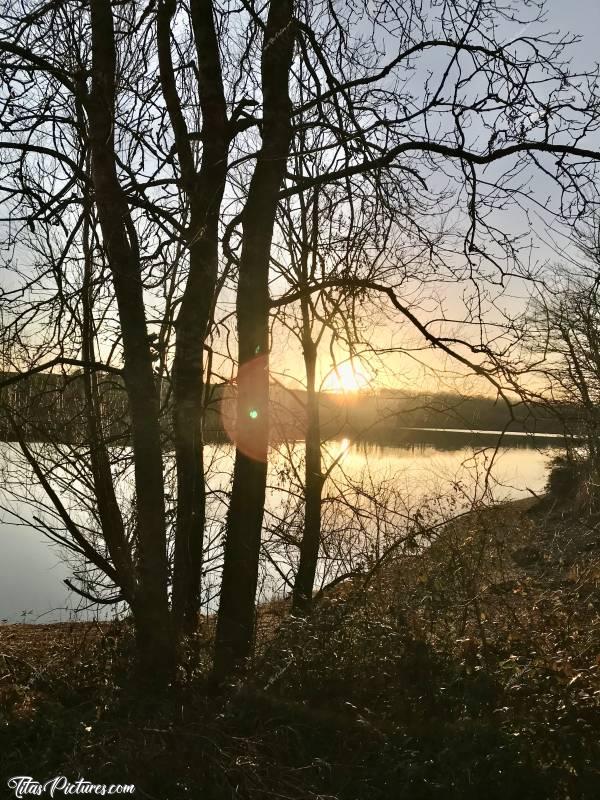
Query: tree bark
{"points": [[109, 512], [151, 611], [204, 190], [313, 484], [302, 593], [235, 624]]}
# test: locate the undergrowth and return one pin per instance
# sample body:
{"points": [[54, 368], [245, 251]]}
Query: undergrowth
{"points": [[469, 670]]}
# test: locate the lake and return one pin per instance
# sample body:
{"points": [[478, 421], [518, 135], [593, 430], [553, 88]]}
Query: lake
{"points": [[410, 476]]}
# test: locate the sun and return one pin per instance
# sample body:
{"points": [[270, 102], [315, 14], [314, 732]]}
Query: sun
{"points": [[348, 376]]}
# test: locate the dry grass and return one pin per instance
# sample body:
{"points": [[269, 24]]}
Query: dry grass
{"points": [[472, 669]]}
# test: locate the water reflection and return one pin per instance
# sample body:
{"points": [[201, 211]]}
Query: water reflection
{"points": [[403, 476]]}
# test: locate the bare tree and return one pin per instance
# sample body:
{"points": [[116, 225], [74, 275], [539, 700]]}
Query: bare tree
{"points": [[134, 138], [242, 548], [340, 238], [562, 334], [203, 189]]}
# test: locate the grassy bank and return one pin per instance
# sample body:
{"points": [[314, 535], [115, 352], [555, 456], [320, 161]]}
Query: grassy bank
{"points": [[470, 670]]}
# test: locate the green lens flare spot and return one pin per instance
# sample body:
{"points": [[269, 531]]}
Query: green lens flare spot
{"points": [[253, 413]]}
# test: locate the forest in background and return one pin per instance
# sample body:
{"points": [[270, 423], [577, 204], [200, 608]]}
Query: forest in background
{"points": [[195, 192], [53, 406]]}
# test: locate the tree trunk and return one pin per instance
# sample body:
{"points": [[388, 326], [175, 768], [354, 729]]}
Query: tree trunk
{"points": [[109, 512], [151, 610], [188, 388], [313, 486], [235, 624], [204, 190]]}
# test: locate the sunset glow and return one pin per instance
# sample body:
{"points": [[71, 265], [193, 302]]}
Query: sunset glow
{"points": [[349, 376]]}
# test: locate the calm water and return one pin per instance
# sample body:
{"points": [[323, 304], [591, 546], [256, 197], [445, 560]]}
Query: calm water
{"points": [[32, 572]]}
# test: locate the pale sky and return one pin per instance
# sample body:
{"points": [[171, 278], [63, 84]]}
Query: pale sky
{"points": [[581, 18]]}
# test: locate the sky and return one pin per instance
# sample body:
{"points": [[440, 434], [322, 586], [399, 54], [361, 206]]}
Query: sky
{"points": [[426, 369], [581, 17]]}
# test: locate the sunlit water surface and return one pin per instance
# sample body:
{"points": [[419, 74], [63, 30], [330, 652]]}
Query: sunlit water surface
{"points": [[32, 570]]}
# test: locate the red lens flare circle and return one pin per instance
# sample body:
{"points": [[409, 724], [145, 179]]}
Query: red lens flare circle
{"points": [[244, 409]]}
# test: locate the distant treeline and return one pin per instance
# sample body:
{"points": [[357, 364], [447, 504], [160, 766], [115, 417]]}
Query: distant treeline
{"points": [[395, 411], [53, 406]]}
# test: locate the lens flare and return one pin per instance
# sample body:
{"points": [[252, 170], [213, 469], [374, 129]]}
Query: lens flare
{"points": [[244, 409]]}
